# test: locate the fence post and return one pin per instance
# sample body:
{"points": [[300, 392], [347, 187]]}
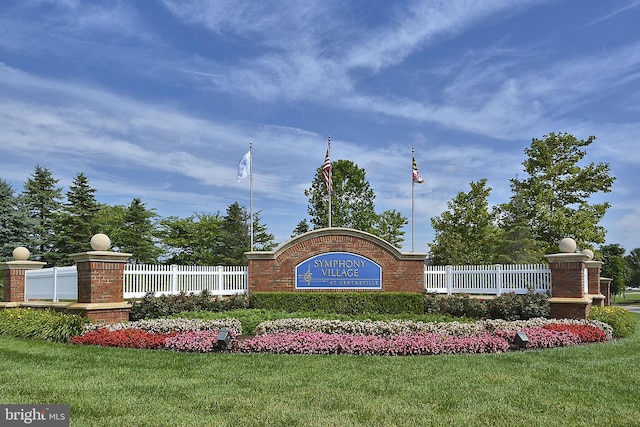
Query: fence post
{"points": [[101, 283], [55, 284], [448, 274], [220, 276], [498, 272], [569, 298], [174, 279], [13, 276]]}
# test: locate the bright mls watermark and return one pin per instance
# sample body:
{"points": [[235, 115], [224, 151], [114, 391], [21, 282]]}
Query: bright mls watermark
{"points": [[34, 415]]}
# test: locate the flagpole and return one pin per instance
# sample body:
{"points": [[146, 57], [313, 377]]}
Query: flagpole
{"points": [[251, 192], [329, 153], [413, 183]]}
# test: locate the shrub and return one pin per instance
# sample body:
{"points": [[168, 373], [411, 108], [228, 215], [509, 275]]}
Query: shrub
{"points": [[152, 307], [506, 306], [37, 324], [620, 319], [512, 306], [349, 303]]}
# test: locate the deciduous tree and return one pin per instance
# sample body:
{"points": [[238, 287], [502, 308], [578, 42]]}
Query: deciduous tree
{"points": [[615, 266], [352, 204], [558, 189], [466, 233]]}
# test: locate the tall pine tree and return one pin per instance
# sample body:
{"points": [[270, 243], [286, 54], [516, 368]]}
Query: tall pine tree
{"points": [[138, 234], [42, 200], [76, 223], [15, 224]]}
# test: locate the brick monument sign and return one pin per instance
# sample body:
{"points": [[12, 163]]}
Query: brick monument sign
{"points": [[336, 259]]}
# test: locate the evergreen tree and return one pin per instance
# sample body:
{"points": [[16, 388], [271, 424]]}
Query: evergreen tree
{"points": [[301, 228], [236, 235], [15, 224], [42, 200], [466, 233], [76, 223], [138, 234]]}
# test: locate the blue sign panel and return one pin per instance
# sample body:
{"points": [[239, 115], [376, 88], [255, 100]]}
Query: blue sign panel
{"points": [[338, 270]]}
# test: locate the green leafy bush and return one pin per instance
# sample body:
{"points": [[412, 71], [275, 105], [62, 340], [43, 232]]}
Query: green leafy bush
{"points": [[350, 303], [152, 307], [506, 306], [45, 325], [620, 319]]}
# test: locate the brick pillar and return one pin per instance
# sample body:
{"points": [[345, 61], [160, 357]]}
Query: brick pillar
{"points": [[569, 295], [593, 270], [605, 289], [13, 276], [100, 284]]}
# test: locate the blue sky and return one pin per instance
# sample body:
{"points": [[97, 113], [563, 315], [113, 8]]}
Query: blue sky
{"points": [[159, 99]]}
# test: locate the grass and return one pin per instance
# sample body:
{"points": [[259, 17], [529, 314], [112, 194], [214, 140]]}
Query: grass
{"points": [[628, 298], [595, 384]]}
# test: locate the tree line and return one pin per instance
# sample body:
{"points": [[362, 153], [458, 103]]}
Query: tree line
{"points": [[53, 225], [552, 200]]}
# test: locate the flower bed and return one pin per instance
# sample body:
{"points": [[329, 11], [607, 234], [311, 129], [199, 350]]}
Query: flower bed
{"points": [[314, 336]]}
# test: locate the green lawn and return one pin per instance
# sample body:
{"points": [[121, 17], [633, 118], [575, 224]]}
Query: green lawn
{"points": [[629, 298], [588, 385]]}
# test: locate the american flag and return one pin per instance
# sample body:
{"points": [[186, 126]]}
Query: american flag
{"points": [[326, 170]]}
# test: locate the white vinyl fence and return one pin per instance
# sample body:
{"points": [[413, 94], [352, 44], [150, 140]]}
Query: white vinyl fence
{"points": [[487, 279], [55, 284], [173, 279], [61, 283]]}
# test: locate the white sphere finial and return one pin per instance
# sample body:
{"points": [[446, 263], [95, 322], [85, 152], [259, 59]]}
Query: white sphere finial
{"points": [[567, 245], [588, 253], [100, 242], [21, 253]]}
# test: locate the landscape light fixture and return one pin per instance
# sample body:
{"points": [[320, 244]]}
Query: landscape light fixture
{"points": [[224, 337], [521, 340]]}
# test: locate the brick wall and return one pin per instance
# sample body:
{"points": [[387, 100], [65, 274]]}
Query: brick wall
{"points": [[100, 281], [13, 278], [569, 311], [567, 279], [275, 271], [13, 283]]}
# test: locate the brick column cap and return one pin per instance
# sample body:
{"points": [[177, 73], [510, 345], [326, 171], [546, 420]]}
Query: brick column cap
{"points": [[567, 257], [102, 256], [22, 265], [593, 264], [605, 280]]}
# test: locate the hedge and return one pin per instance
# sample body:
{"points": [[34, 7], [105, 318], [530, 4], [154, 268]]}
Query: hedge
{"points": [[349, 303]]}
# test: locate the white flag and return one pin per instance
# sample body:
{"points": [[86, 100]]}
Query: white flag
{"points": [[244, 167]]}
